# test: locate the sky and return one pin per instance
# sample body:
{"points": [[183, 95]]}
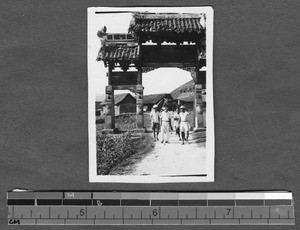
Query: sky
{"points": [[162, 80]]}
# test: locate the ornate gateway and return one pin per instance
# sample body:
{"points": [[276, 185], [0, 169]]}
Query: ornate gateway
{"points": [[188, 34]]}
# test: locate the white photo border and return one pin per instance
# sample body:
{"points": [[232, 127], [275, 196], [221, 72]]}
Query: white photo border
{"points": [[210, 139]]}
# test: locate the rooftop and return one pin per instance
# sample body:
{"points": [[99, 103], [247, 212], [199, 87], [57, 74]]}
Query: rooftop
{"points": [[119, 52], [185, 88], [162, 22], [155, 98], [120, 97], [187, 97], [157, 28]]}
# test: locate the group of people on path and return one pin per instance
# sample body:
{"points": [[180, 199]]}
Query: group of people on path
{"points": [[162, 121]]}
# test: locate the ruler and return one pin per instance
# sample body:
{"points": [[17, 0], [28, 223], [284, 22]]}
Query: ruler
{"points": [[149, 208]]}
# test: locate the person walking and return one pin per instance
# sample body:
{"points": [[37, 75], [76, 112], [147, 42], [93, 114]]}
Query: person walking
{"points": [[171, 121], [176, 122], [165, 120], [184, 124], [154, 116]]}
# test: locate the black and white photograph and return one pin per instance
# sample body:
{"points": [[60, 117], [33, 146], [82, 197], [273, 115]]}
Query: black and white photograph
{"points": [[157, 113], [150, 92]]}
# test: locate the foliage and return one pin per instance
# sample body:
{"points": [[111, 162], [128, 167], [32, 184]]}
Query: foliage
{"points": [[126, 121], [112, 150], [144, 143]]}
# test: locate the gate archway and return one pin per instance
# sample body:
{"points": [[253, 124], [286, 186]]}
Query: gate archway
{"points": [[187, 51]]}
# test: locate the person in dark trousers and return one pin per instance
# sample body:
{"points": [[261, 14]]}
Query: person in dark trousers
{"points": [[154, 116]]}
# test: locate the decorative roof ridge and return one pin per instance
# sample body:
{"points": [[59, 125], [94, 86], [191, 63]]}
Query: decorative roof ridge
{"points": [[122, 44], [154, 16], [155, 94], [170, 23]]}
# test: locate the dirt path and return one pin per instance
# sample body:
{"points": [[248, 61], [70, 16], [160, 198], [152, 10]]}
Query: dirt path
{"points": [[169, 159]]}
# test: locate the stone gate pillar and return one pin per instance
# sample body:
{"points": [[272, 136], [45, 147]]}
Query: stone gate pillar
{"points": [[199, 104], [139, 107], [139, 104], [109, 105]]}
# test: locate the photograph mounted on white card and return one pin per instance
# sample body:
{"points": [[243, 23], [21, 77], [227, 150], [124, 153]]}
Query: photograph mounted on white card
{"points": [[150, 89]]}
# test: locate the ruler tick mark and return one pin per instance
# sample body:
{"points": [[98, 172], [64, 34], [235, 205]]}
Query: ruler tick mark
{"points": [[159, 212]]}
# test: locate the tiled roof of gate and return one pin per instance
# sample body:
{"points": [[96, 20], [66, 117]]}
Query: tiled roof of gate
{"points": [[178, 23], [119, 52]]}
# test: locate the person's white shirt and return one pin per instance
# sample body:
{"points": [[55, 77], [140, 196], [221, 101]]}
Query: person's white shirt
{"points": [[175, 115], [154, 116], [175, 118], [183, 116], [165, 116]]}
